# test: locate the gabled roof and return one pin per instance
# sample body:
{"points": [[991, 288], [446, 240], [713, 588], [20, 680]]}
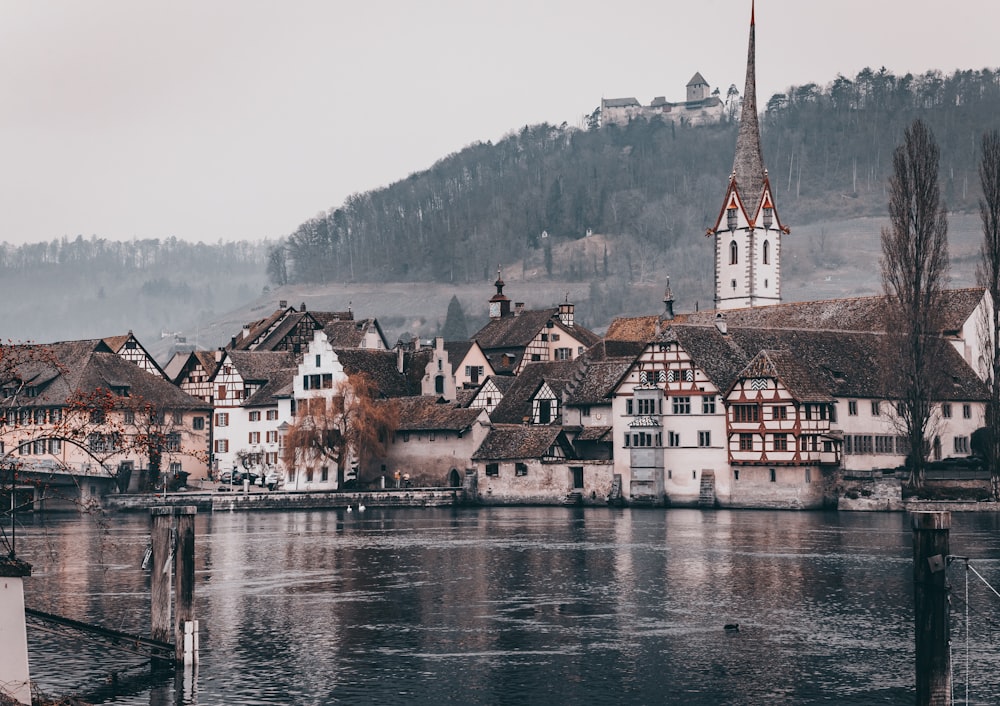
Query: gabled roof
{"points": [[831, 363], [697, 79], [351, 333], [597, 382], [430, 413], [256, 330], [620, 102], [515, 441], [415, 367], [457, 350], [501, 382], [850, 314], [182, 364], [280, 384], [60, 370], [378, 365], [257, 365], [516, 403], [788, 369], [518, 330], [641, 329]]}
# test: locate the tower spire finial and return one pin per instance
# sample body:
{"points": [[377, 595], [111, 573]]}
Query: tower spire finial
{"points": [[749, 162]]}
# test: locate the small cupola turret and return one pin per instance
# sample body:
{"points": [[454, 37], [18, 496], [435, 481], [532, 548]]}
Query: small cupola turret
{"points": [[668, 303], [499, 303], [566, 315]]}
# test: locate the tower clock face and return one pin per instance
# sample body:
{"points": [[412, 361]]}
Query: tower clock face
{"points": [[494, 308]]}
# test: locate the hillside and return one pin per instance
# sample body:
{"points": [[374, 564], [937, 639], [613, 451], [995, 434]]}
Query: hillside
{"points": [[603, 215], [825, 260]]}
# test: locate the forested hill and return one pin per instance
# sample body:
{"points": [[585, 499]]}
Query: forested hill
{"points": [[654, 185], [647, 192]]}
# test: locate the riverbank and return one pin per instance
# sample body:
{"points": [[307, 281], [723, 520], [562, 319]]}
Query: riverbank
{"points": [[213, 501], [207, 501]]}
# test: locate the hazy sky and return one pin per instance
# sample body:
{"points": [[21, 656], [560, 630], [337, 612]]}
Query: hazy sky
{"points": [[240, 119]]}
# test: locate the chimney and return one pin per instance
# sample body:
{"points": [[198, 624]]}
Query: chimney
{"points": [[518, 308], [399, 358], [283, 304], [439, 343], [232, 342], [566, 312], [218, 355], [246, 331], [303, 307], [720, 323]]}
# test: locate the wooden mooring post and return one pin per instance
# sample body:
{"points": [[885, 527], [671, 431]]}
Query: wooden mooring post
{"points": [[173, 556], [930, 586]]}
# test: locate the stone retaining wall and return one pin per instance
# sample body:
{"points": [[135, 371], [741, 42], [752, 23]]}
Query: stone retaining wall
{"points": [[224, 502]]}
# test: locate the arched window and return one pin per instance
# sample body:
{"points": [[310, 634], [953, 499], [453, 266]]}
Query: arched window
{"points": [[766, 251], [734, 253]]}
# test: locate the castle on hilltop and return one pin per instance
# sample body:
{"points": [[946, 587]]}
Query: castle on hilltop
{"points": [[702, 106]]}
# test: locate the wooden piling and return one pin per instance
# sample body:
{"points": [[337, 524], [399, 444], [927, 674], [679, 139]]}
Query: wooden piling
{"points": [[930, 581], [161, 627], [185, 627]]}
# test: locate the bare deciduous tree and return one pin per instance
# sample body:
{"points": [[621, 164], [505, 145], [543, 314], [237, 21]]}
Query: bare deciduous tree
{"points": [[988, 277], [914, 267]]}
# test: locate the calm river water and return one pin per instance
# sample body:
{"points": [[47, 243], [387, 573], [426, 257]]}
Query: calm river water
{"points": [[518, 606]]}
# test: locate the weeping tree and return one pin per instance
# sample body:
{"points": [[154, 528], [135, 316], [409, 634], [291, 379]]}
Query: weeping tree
{"points": [[914, 267], [350, 425], [988, 277]]}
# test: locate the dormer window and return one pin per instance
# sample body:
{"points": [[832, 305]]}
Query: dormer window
{"points": [[768, 217], [731, 218]]}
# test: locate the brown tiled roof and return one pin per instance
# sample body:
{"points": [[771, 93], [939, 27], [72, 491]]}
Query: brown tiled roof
{"points": [[457, 350], [279, 385], [795, 377], [415, 367], [594, 434], [518, 330], [516, 441], [257, 365], [597, 381], [429, 413], [851, 314], [348, 334], [378, 365], [828, 363], [516, 403], [607, 348], [85, 366], [259, 328], [641, 329]]}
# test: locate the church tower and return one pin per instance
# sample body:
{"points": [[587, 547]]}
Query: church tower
{"points": [[748, 231]]}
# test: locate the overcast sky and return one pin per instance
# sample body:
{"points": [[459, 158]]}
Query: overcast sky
{"points": [[234, 119]]}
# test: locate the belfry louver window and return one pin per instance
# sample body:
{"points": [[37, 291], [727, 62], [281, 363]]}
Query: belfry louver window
{"points": [[731, 218]]}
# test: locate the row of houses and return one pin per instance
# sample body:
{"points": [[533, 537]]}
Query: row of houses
{"points": [[755, 407]]}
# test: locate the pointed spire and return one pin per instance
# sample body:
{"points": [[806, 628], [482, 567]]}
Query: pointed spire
{"points": [[748, 166], [668, 302]]}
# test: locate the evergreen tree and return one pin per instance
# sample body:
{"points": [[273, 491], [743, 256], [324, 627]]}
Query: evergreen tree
{"points": [[455, 327]]}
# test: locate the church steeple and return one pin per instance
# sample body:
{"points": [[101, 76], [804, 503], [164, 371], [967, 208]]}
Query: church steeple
{"points": [[748, 231], [748, 165]]}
